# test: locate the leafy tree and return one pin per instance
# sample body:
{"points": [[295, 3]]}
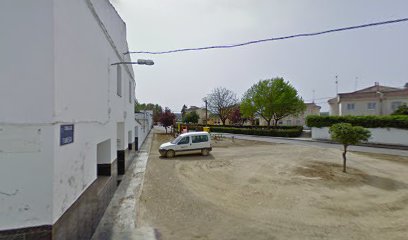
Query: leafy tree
{"points": [[236, 116], [272, 99], [183, 110], [221, 102], [347, 134], [167, 118], [402, 110], [191, 117]]}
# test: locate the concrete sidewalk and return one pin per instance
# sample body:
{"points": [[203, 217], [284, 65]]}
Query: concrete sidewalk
{"points": [[119, 220]]}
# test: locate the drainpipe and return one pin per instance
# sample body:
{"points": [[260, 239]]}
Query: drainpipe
{"points": [[381, 95]]}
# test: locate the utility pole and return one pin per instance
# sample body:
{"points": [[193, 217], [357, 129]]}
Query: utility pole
{"points": [[206, 117]]}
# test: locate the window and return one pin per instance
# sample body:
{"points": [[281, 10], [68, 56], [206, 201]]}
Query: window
{"points": [[199, 138], [298, 123], [184, 140], [371, 105], [350, 106], [288, 122], [280, 122], [119, 80], [395, 105]]}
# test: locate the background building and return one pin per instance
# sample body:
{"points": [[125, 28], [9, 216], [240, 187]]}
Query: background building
{"points": [[200, 112], [298, 120], [67, 116], [374, 100]]}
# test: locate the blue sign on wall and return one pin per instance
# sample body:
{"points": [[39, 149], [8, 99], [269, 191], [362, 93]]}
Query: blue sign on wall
{"points": [[66, 134]]}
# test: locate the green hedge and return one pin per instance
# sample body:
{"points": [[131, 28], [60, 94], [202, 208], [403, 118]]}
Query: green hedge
{"points": [[400, 121], [199, 127], [260, 132]]}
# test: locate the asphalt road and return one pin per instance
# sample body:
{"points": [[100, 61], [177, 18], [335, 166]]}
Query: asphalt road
{"points": [[309, 142]]}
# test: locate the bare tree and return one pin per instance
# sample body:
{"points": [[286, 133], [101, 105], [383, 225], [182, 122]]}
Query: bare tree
{"points": [[221, 101]]}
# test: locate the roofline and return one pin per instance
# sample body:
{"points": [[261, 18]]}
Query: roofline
{"points": [[193, 133]]}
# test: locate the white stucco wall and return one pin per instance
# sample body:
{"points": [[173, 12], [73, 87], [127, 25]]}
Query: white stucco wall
{"points": [[55, 68], [86, 93], [25, 175], [143, 125], [26, 57], [391, 136], [26, 113]]}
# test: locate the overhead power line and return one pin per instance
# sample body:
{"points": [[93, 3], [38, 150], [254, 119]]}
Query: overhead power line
{"points": [[323, 98], [272, 39]]}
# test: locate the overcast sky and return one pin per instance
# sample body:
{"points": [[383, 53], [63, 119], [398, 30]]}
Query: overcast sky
{"points": [[359, 57]]}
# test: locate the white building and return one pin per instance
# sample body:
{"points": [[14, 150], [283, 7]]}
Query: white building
{"points": [[296, 120], [144, 120], [374, 100], [66, 115]]}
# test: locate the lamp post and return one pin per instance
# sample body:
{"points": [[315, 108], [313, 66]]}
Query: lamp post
{"points": [[206, 117], [139, 62]]}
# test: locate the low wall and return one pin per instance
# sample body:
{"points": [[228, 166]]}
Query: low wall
{"points": [[392, 136]]}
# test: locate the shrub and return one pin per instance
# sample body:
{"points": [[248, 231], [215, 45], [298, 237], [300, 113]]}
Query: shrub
{"points": [[294, 132], [346, 134], [194, 126], [392, 121]]}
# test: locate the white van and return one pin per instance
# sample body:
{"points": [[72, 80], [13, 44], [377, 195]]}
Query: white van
{"points": [[192, 142]]}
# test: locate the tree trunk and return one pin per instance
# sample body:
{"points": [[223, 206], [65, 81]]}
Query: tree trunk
{"points": [[223, 121], [344, 158], [269, 123], [276, 122], [166, 129]]}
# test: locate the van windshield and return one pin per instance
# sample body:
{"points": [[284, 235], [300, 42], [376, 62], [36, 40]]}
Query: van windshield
{"points": [[176, 140]]}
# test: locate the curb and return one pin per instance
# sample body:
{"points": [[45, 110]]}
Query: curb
{"points": [[372, 145]]}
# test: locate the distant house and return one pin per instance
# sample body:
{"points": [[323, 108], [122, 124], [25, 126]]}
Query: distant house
{"points": [[299, 120], [200, 112], [374, 100], [179, 118], [214, 119]]}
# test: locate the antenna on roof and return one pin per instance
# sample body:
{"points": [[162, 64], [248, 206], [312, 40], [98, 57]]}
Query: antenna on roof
{"points": [[337, 85]]}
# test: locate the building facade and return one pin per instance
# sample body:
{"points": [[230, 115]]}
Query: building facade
{"points": [[374, 100], [66, 120], [200, 112], [298, 120]]}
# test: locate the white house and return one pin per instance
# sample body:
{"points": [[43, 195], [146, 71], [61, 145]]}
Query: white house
{"points": [[374, 100], [66, 115], [296, 120], [145, 124]]}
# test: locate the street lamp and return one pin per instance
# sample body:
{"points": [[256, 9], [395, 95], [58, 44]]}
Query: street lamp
{"points": [[206, 117], [139, 62]]}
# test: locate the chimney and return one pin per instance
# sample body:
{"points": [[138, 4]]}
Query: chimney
{"points": [[377, 84], [406, 85]]}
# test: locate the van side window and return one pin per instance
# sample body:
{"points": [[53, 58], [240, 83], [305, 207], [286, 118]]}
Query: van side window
{"points": [[199, 138], [184, 140]]}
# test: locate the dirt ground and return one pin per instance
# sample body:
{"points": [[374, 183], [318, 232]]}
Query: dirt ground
{"points": [[257, 190]]}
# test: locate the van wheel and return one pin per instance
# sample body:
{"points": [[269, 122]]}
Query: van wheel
{"points": [[170, 154], [205, 152]]}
